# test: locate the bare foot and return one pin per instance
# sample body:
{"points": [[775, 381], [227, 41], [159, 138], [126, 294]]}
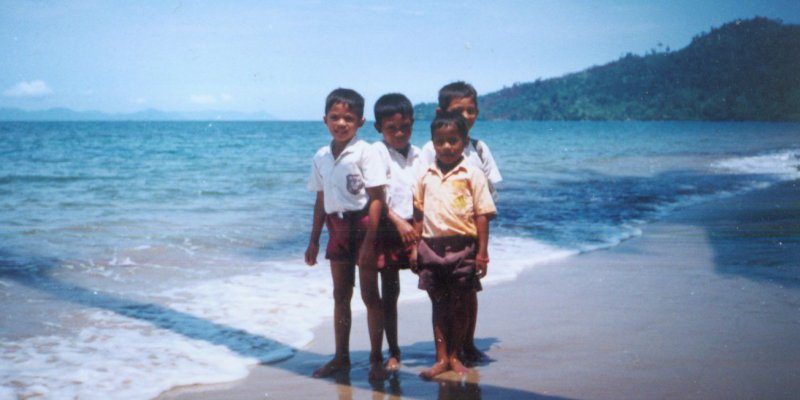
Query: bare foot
{"points": [[332, 367], [439, 368], [392, 364], [458, 367], [473, 355], [376, 371]]}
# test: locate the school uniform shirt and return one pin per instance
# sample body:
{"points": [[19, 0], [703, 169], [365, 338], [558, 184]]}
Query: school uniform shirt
{"points": [[450, 202], [402, 173], [344, 180], [481, 158]]}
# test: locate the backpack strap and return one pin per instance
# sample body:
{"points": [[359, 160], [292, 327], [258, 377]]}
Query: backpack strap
{"points": [[475, 143]]}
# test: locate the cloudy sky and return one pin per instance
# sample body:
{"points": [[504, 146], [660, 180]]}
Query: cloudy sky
{"points": [[283, 57]]}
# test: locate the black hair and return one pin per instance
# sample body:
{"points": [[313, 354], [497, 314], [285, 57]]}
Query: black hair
{"points": [[450, 119], [391, 104], [350, 97], [456, 90]]}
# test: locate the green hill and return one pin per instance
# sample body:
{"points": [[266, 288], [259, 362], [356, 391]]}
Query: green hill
{"points": [[744, 70]]}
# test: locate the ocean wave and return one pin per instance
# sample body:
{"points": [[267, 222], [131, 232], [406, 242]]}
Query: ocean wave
{"points": [[783, 164]]}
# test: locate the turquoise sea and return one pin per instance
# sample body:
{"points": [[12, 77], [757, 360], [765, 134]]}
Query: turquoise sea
{"points": [[139, 256]]}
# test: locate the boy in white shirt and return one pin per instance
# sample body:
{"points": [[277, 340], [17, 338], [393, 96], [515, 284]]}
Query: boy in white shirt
{"points": [[462, 98], [348, 178], [394, 118]]}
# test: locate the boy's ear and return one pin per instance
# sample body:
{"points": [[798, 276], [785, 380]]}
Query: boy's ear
{"points": [[378, 126], [438, 111], [361, 122]]}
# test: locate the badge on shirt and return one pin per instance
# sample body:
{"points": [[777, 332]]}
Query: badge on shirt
{"points": [[354, 183]]}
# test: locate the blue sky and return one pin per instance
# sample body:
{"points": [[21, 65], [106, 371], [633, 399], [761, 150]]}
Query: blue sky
{"points": [[283, 57]]}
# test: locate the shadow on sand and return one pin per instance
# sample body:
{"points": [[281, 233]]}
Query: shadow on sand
{"points": [[258, 347]]}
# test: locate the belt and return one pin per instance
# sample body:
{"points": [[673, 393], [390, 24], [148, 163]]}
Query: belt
{"points": [[349, 214]]}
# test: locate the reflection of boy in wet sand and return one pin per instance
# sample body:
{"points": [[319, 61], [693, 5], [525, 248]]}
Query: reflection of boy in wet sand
{"points": [[453, 206]]}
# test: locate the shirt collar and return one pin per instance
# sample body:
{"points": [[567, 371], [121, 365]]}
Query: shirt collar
{"points": [[348, 147], [460, 167]]}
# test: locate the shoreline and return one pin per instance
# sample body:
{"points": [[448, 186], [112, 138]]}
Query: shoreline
{"points": [[699, 306]]}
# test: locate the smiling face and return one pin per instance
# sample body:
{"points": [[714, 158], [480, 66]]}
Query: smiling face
{"points": [[448, 144], [466, 107], [396, 130], [342, 123]]}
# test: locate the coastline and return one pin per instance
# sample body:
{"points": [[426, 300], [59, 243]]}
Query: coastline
{"points": [[699, 306]]}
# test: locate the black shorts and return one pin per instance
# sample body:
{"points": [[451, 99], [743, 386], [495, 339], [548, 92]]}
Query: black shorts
{"points": [[448, 262]]}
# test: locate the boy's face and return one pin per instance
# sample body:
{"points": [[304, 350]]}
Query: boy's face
{"points": [[448, 144], [342, 123], [396, 130], [466, 107]]}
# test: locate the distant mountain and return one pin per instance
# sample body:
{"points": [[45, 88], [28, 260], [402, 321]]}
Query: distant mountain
{"points": [[744, 70], [65, 114]]}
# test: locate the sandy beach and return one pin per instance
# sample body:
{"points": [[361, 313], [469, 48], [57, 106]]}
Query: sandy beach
{"points": [[705, 304]]}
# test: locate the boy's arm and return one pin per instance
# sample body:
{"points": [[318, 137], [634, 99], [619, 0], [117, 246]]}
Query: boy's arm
{"points": [[366, 255], [316, 229], [482, 258], [418, 229], [407, 231]]}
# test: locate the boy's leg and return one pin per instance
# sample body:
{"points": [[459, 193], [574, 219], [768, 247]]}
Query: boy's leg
{"points": [[390, 291], [471, 352], [368, 277], [342, 273], [440, 303], [458, 331]]}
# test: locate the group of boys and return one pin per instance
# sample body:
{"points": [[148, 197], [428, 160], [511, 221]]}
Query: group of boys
{"points": [[390, 206]]}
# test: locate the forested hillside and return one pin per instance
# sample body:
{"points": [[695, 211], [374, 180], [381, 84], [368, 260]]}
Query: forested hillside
{"points": [[744, 70]]}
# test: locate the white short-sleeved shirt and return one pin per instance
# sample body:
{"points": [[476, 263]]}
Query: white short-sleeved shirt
{"points": [[402, 172], [482, 159], [344, 180]]}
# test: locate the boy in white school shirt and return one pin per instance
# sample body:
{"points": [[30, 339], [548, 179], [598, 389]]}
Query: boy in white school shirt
{"points": [[348, 178], [397, 238]]}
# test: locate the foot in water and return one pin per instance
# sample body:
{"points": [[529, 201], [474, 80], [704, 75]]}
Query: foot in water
{"points": [[376, 371], [392, 364], [439, 368], [332, 367], [458, 367], [473, 355]]}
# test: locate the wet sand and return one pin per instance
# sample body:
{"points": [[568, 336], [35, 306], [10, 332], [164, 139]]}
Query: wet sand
{"points": [[704, 305]]}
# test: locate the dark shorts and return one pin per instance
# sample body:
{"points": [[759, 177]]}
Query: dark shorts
{"points": [[448, 262], [392, 253], [345, 234]]}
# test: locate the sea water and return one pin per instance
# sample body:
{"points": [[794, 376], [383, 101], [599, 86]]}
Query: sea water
{"points": [[139, 256]]}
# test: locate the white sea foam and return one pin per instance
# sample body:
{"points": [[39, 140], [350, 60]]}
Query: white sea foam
{"points": [[783, 164], [204, 332]]}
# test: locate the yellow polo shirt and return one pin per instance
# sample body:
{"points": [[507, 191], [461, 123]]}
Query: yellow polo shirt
{"points": [[450, 202]]}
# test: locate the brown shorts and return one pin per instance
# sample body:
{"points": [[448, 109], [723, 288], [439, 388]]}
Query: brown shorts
{"points": [[448, 262], [392, 252], [346, 231]]}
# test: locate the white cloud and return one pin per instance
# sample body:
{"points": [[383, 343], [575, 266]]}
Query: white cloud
{"points": [[210, 99], [37, 88]]}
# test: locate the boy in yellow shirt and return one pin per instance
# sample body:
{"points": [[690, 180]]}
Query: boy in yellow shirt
{"points": [[453, 205]]}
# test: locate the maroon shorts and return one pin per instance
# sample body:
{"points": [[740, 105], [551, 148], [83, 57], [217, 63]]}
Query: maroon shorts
{"points": [[448, 262], [392, 253], [346, 231]]}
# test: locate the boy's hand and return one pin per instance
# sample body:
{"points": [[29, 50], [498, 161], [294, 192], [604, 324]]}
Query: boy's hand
{"points": [[481, 268], [311, 254], [366, 256], [407, 232], [413, 263]]}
